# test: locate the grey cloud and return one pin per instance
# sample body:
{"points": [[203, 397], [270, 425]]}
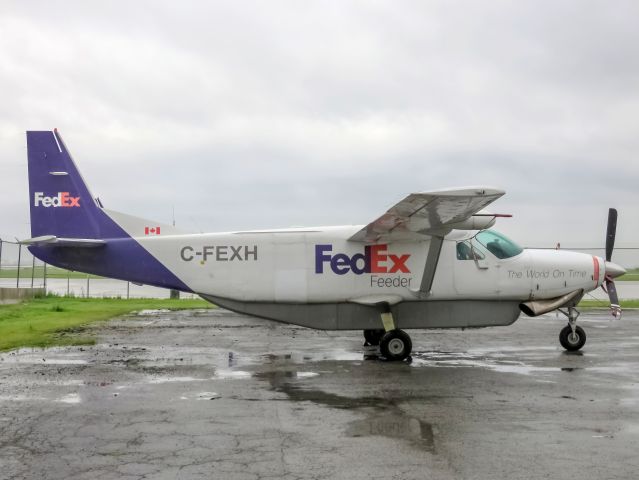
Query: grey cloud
{"points": [[257, 114]]}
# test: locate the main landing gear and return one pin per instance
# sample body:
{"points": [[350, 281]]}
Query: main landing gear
{"points": [[394, 344], [572, 337]]}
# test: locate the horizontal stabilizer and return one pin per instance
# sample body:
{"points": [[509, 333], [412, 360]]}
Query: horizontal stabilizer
{"points": [[53, 241]]}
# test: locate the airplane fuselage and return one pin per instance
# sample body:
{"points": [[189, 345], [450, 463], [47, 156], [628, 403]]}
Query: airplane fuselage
{"points": [[318, 265]]}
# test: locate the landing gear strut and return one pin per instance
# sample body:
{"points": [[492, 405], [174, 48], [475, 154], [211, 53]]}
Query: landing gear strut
{"points": [[394, 344], [572, 337]]}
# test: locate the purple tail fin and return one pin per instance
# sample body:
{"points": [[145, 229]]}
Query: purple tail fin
{"points": [[60, 202], [62, 205]]}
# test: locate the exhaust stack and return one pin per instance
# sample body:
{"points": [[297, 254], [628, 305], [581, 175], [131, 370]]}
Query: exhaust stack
{"points": [[534, 308]]}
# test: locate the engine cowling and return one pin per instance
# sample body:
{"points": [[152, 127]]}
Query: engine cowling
{"points": [[476, 222]]}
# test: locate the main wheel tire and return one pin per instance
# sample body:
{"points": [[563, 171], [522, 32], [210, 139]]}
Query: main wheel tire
{"points": [[571, 342], [395, 345], [373, 337]]}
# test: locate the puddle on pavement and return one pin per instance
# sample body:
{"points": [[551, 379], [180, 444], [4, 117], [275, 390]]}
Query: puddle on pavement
{"points": [[383, 416], [395, 426], [51, 356], [200, 396], [158, 380], [521, 369], [299, 357], [151, 312], [493, 359], [495, 362], [71, 398], [231, 374], [501, 350]]}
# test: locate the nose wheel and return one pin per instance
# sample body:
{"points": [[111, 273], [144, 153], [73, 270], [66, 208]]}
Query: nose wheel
{"points": [[572, 337], [572, 341]]}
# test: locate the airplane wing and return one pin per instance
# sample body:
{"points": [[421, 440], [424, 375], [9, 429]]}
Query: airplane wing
{"points": [[427, 213]]}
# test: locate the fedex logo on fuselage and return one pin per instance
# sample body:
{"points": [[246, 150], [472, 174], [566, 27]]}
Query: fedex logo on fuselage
{"points": [[62, 199], [373, 260]]}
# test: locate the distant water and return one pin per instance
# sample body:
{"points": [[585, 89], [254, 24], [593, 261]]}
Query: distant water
{"points": [[99, 287], [118, 288]]}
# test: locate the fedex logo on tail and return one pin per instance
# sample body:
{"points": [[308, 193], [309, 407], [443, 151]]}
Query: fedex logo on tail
{"points": [[62, 199], [373, 260]]}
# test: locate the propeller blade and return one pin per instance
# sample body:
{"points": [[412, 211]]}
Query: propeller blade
{"points": [[614, 299], [611, 232]]}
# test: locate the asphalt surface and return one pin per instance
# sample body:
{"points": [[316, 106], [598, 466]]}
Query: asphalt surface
{"points": [[211, 394]]}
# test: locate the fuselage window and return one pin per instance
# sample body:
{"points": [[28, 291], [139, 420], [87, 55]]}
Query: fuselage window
{"points": [[465, 252], [498, 244]]}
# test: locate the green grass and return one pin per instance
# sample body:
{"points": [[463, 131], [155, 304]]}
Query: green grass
{"points": [[38, 272], [631, 276], [605, 304], [52, 320]]}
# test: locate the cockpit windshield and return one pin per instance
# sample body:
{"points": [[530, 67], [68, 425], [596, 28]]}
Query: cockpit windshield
{"points": [[497, 244]]}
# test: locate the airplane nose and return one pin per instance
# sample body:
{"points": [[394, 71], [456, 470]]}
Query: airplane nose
{"points": [[613, 270]]}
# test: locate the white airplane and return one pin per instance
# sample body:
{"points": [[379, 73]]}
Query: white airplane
{"points": [[430, 261]]}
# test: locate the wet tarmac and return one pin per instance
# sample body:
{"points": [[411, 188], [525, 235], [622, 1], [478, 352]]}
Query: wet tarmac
{"points": [[212, 394]]}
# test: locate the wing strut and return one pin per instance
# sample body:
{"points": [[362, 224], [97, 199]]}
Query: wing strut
{"points": [[430, 267]]}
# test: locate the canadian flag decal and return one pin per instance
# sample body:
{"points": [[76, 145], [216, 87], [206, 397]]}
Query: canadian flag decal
{"points": [[151, 230]]}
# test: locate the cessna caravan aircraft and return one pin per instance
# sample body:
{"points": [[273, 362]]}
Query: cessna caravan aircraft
{"points": [[430, 261]]}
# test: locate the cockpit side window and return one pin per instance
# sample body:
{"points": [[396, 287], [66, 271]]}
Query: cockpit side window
{"points": [[465, 252], [498, 244]]}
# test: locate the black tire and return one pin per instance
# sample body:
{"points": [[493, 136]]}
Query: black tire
{"points": [[570, 343], [373, 337], [395, 345]]}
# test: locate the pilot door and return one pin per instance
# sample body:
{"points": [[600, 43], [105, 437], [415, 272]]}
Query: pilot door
{"points": [[475, 270]]}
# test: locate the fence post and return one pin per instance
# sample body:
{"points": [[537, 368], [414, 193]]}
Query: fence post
{"points": [[68, 276], [18, 276], [32, 270], [45, 279], [87, 285], [0, 254], [128, 286]]}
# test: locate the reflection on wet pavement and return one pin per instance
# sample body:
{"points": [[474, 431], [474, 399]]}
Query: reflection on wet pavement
{"points": [[383, 416]]}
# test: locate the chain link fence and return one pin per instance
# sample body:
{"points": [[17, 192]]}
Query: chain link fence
{"points": [[20, 269]]}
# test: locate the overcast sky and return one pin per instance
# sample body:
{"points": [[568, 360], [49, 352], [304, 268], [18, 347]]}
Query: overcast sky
{"points": [[246, 115]]}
